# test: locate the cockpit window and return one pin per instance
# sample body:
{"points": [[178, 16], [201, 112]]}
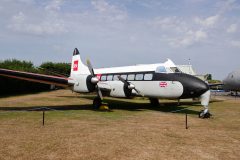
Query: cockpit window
{"points": [[161, 69], [175, 69]]}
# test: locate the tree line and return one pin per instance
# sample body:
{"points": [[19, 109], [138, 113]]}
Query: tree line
{"points": [[11, 86]]}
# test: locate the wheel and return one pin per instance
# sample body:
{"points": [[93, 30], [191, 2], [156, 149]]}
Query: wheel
{"points": [[207, 115], [154, 101], [202, 115], [97, 102]]}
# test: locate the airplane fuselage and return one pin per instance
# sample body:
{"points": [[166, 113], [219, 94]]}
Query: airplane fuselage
{"points": [[150, 84]]}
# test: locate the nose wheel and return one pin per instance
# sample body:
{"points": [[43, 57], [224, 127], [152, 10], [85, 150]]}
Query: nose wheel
{"points": [[204, 114]]}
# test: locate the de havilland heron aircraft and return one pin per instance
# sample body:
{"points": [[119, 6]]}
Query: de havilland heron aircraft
{"points": [[154, 81]]}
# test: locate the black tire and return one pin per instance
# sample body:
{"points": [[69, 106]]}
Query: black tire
{"points": [[97, 102], [201, 115], [207, 115]]}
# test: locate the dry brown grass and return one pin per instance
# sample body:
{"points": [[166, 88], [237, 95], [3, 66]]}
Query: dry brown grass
{"points": [[78, 132]]}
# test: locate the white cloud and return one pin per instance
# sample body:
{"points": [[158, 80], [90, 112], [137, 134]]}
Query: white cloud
{"points": [[235, 43], [200, 35], [189, 39], [102, 6], [207, 22], [171, 24], [23, 24], [26, 1], [108, 11], [227, 5], [19, 18], [35, 19], [132, 39], [232, 28], [149, 3], [164, 22], [54, 5]]}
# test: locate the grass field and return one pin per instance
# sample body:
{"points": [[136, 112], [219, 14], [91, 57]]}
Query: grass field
{"points": [[131, 130]]}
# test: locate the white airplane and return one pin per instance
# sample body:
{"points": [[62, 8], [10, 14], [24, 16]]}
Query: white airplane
{"points": [[162, 80]]}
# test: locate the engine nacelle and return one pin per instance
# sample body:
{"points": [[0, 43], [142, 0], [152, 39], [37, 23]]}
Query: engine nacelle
{"points": [[119, 89], [82, 83]]}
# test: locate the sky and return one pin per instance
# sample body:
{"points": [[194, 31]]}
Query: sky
{"points": [[205, 33]]}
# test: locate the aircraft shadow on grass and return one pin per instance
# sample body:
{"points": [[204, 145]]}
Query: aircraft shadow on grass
{"points": [[115, 104]]}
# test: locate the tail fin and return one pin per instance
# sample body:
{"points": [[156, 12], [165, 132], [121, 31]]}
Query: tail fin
{"points": [[77, 65]]}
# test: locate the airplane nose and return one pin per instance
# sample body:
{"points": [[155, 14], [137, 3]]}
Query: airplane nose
{"points": [[192, 86]]}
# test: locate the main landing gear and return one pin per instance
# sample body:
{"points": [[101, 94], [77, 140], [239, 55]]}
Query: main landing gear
{"points": [[97, 102], [154, 101], [98, 105]]}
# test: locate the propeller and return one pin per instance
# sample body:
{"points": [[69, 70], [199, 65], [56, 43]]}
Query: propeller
{"points": [[129, 85], [94, 79]]}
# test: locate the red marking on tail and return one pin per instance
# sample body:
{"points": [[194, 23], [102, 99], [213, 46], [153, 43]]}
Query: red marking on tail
{"points": [[75, 65]]}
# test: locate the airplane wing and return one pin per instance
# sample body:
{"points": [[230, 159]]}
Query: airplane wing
{"points": [[33, 77]]}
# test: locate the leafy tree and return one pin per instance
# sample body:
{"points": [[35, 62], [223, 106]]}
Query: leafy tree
{"points": [[56, 68], [16, 86], [14, 64]]}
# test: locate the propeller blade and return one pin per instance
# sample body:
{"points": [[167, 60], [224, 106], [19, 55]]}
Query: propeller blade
{"points": [[123, 80], [99, 92], [94, 79], [90, 67], [139, 92], [128, 84]]}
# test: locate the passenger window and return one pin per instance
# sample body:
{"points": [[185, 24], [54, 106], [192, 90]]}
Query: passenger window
{"points": [[115, 77], [124, 76], [139, 77], [104, 78], [109, 77], [148, 76], [130, 77], [161, 69]]}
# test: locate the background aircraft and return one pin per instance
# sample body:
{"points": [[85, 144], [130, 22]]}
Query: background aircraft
{"points": [[161, 80], [232, 81]]}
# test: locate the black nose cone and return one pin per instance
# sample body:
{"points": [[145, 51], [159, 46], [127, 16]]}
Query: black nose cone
{"points": [[192, 86]]}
